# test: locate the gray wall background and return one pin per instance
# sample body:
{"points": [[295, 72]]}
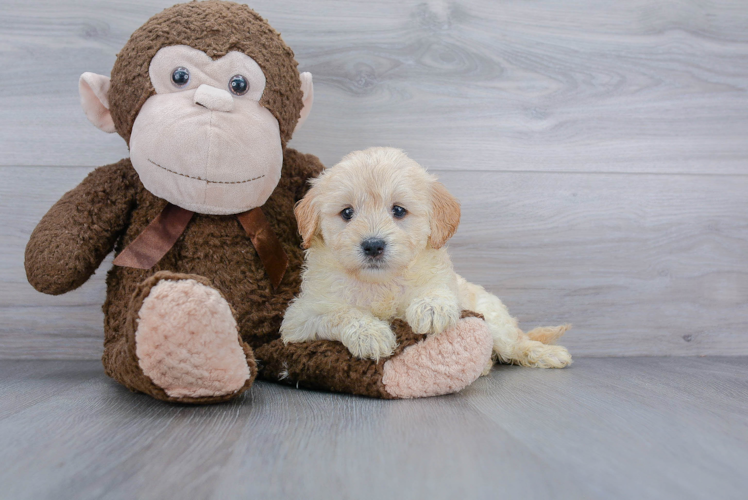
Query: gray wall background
{"points": [[600, 150]]}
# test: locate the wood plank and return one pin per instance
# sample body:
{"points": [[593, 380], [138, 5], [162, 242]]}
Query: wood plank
{"points": [[661, 428], [640, 264], [26, 384], [277, 441], [631, 428], [637, 86]]}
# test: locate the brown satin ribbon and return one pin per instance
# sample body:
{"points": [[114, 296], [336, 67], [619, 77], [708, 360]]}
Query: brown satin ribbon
{"points": [[266, 243], [152, 244], [156, 239]]}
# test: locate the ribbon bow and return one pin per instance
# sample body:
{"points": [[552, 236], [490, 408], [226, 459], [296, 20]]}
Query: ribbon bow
{"points": [[152, 244]]}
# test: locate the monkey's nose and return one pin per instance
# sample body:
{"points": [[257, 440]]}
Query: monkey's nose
{"points": [[214, 99]]}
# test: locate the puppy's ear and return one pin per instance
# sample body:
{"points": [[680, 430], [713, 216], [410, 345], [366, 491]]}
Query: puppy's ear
{"points": [[445, 215], [307, 217]]}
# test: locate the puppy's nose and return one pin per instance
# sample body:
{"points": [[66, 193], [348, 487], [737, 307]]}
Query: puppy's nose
{"points": [[373, 247]]}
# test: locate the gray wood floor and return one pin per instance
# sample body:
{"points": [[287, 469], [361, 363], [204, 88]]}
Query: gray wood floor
{"points": [[599, 150], [631, 428]]}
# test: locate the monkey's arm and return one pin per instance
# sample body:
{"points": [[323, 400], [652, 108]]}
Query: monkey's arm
{"points": [[429, 365], [329, 365], [298, 168], [79, 230]]}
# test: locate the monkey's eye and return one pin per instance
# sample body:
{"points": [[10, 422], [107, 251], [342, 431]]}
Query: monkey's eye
{"points": [[238, 85], [399, 212], [180, 76], [347, 214]]}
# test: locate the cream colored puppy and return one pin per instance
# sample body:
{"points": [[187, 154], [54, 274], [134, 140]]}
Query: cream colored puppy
{"points": [[375, 226]]}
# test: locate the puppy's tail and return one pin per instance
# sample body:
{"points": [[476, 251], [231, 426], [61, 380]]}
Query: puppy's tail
{"points": [[547, 334]]}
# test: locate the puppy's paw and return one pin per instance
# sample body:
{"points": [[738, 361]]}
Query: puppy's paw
{"points": [[432, 314], [546, 356], [369, 339]]}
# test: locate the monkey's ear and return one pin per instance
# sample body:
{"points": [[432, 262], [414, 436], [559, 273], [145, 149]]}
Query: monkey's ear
{"points": [[94, 91], [308, 89], [307, 217], [445, 215]]}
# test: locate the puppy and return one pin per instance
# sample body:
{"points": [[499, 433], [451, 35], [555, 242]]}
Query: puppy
{"points": [[375, 226]]}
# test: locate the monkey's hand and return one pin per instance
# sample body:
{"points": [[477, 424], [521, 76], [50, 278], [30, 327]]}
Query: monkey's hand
{"points": [[80, 229], [433, 313]]}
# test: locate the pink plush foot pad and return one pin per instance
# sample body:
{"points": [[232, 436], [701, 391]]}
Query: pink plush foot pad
{"points": [[441, 364], [187, 342]]}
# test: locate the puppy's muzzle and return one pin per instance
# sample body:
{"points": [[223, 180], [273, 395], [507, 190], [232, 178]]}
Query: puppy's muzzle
{"points": [[373, 248]]}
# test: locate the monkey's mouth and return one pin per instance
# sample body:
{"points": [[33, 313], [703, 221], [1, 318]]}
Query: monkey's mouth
{"points": [[205, 180]]}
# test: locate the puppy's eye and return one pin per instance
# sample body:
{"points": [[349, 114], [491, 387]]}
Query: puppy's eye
{"points": [[180, 76], [347, 214], [399, 212]]}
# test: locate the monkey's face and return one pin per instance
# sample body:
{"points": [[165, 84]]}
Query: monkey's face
{"points": [[203, 141], [205, 134]]}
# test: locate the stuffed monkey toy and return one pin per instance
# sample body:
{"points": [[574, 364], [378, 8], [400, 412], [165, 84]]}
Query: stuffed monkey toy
{"points": [[208, 256]]}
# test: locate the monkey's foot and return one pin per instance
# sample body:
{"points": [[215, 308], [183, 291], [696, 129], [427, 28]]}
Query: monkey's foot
{"points": [[441, 364], [187, 343]]}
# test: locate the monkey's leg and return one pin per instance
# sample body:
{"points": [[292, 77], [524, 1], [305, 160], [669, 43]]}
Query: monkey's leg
{"points": [[180, 343], [421, 365]]}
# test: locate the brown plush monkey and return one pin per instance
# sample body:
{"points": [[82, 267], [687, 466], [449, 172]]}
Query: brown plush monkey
{"points": [[207, 95]]}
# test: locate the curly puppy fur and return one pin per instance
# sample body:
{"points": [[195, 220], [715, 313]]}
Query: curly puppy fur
{"points": [[351, 296]]}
